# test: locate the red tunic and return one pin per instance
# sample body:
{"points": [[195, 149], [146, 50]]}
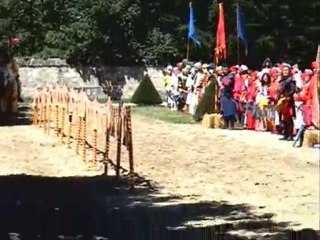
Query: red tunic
{"points": [[304, 97], [250, 97], [314, 101]]}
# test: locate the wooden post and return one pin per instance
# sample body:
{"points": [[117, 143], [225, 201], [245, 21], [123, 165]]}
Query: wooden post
{"points": [[106, 153], [49, 119], [41, 115], [78, 138], [119, 136], [84, 138], [45, 118], [62, 124], [35, 115], [95, 132], [95, 146], [130, 147], [57, 120], [69, 130]]}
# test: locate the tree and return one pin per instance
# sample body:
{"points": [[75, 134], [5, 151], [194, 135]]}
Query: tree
{"points": [[131, 32]]}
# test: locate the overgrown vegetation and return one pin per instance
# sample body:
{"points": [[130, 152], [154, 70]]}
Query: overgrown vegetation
{"points": [[146, 93], [132, 32]]}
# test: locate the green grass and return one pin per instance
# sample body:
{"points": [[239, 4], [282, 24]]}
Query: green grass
{"points": [[163, 114]]}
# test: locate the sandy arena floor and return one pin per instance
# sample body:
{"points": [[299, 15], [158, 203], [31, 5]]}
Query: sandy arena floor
{"points": [[195, 163]]}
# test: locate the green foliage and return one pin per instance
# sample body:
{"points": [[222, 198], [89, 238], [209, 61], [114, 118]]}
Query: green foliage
{"points": [[131, 32], [146, 93]]}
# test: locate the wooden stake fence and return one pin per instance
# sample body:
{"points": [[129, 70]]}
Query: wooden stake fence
{"points": [[89, 123]]}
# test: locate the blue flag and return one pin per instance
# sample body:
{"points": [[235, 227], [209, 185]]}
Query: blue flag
{"points": [[241, 26], [192, 30]]}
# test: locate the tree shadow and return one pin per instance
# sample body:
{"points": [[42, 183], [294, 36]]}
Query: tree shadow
{"points": [[21, 118], [112, 79], [100, 207]]}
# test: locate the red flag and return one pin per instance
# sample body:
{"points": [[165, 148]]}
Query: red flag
{"points": [[221, 48]]}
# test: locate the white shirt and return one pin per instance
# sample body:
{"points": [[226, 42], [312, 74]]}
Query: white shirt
{"points": [[297, 78]]}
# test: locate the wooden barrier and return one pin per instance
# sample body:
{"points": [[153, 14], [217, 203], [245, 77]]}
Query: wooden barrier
{"points": [[73, 116]]}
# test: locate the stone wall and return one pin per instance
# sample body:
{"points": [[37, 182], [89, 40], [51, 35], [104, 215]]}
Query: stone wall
{"points": [[36, 72]]}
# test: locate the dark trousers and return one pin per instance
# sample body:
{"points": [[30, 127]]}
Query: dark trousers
{"points": [[288, 128], [229, 122]]}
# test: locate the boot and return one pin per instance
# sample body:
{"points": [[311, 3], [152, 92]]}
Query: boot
{"points": [[226, 123], [231, 124], [285, 131]]}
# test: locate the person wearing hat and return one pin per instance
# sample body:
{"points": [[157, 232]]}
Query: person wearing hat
{"points": [[303, 111], [182, 89], [197, 80], [228, 104], [166, 82], [286, 91], [203, 81], [275, 76], [190, 87]]}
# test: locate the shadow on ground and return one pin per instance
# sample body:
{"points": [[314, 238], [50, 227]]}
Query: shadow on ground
{"points": [[23, 117], [33, 207]]}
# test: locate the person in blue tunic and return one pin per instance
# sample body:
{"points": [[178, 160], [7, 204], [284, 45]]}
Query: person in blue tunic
{"points": [[228, 104]]}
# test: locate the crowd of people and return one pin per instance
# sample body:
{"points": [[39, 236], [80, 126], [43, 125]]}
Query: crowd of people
{"points": [[278, 98]]}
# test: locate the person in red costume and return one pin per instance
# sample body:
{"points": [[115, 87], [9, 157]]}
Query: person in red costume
{"points": [[305, 97], [275, 74], [314, 95], [303, 112], [239, 92], [250, 96], [287, 89]]}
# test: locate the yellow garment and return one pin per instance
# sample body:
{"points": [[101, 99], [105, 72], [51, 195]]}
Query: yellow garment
{"points": [[263, 103], [166, 80]]}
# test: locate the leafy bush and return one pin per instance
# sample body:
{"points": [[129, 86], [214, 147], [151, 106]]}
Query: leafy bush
{"points": [[146, 93]]}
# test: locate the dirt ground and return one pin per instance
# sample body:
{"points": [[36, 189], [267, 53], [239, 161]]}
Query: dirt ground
{"points": [[234, 166], [193, 163]]}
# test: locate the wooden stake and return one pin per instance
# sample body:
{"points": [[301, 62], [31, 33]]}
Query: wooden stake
{"points": [[106, 153], [95, 146], [78, 138], [45, 118], [49, 119], [69, 130], [84, 138], [62, 124], [35, 115], [130, 147], [119, 136], [41, 116], [57, 120]]}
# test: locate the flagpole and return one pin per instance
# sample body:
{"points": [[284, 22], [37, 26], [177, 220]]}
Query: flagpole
{"points": [[238, 39], [188, 49], [238, 50]]}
